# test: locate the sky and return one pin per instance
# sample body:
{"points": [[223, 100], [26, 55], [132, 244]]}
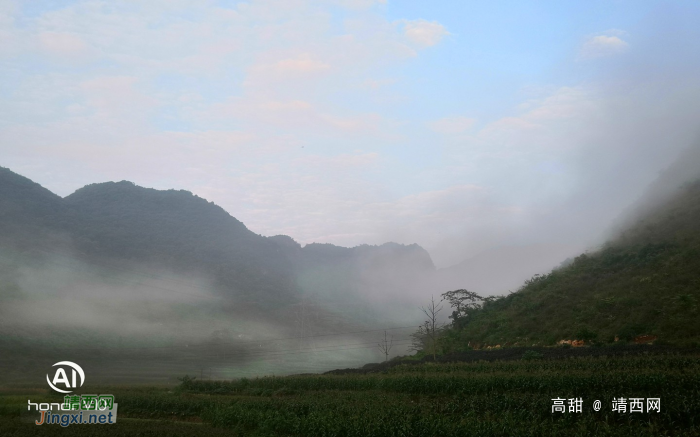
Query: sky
{"points": [[461, 126]]}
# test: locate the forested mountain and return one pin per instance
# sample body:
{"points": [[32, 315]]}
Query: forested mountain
{"points": [[644, 281]]}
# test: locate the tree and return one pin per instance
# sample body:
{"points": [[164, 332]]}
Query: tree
{"points": [[463, 301], [385, 346], [420, 338], [429, 330]]}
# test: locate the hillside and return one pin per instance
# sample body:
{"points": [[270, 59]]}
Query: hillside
{"points": [[646, 281]]}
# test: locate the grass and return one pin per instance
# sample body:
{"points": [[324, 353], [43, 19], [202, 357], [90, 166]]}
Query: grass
{"points": [[486, 398]]}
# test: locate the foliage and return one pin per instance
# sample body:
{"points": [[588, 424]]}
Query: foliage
{"points": [[645, 282], [464, 302]]}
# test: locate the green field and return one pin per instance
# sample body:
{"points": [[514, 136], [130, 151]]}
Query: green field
{"points": [[486, 398]]}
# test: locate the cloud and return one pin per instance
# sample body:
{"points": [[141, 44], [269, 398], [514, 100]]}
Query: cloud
{"points": [[115, 101], [376, 84], [563, 106], [353, 211], [359, 4], [339, 162], [358, 124], [602, 46], [300, 118], [424, 33], [279, 112], [62, 44], [299, 65], [564, 102], [452, 125]]}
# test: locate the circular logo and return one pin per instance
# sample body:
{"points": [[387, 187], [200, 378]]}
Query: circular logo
{"points": [[61, 377]]}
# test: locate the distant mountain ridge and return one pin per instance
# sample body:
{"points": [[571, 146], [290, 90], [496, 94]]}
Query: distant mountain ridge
{"points": [[175, 229]]}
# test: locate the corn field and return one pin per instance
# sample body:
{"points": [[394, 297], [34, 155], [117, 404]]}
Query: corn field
{"points": [[497, 398], [457, 399]]}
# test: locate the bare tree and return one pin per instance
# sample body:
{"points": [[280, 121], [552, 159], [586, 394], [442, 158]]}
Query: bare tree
{"points": [[385, 346], [430, 327]]}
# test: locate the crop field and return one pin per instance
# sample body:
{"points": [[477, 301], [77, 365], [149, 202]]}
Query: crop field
{"points": [[485, 398]]}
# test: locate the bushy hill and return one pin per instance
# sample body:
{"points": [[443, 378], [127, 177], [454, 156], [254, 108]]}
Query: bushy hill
{"points": [[644, 282]]}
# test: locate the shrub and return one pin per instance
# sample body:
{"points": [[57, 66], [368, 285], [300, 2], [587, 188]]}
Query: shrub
{"points": [[586, 334]]}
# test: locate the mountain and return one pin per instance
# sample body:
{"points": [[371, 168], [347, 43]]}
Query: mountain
{"points": [[119, 224], [27, 210], [177, 230], [661, 191], [387, 281], [644, 281]]}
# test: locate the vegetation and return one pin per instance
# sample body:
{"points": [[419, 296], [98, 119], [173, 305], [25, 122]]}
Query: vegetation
{"points": [[430, 399], [645, 282]]}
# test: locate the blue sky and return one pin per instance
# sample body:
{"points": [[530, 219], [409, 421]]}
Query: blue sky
{"points": [[461, 126]]}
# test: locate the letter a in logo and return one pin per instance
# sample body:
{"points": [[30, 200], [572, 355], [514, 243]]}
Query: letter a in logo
{"points": [[60, 377]]}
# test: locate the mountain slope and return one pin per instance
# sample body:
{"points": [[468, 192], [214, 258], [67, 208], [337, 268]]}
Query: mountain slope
{"points": [[177, 230], [27, 210], [644, 282]]}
